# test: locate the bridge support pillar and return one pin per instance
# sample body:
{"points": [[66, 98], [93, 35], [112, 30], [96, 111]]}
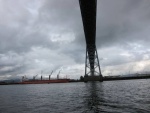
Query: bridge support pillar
{"points": [[92, 66]]}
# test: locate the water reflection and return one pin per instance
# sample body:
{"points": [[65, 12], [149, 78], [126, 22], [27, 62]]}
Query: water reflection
{"points": [[93, 99]]}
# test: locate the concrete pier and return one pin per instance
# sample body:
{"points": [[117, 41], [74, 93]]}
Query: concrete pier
{"points": [[93, 78]]}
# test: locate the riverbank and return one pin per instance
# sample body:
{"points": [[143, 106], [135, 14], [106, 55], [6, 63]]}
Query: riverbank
{"points": [[105, 78]]}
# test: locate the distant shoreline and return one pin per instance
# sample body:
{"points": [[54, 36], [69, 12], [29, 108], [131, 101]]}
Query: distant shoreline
{"points": [[125, 78], [106, 78]]}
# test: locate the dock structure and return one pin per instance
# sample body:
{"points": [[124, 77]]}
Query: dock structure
{"points": [[92, 66]]}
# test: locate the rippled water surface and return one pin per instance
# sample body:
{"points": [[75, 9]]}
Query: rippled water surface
{"points": [[130, 96]]}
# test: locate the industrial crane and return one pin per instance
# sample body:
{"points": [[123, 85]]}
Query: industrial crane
{"points": [[58, 74], [50, 75], [24, 78], [41, 74], [35, 77]]}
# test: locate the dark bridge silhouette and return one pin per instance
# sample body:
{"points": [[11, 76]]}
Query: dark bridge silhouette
{"points": [[92, 66]]}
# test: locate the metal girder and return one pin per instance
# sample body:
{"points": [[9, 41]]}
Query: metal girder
{"points": [[88, 12]]}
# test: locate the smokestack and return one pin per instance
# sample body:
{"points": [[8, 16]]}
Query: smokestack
{"points": [[41, 77]]}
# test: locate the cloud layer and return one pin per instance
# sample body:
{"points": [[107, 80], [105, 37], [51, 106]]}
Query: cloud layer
{"points": [[48, 35]]}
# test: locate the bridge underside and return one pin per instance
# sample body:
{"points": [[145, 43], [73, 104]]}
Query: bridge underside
{"points": [[88, 12]]}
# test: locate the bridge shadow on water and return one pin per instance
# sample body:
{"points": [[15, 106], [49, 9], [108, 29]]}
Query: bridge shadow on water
{"points": [[94, 98]]}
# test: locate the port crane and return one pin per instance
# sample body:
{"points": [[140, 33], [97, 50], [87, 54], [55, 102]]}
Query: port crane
{"points": [[41, 74], [24, 78], [50, 75], [35, 77], [58, 74]]}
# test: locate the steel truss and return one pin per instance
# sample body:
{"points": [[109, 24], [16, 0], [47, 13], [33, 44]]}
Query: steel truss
{"points": [[92, 66]]}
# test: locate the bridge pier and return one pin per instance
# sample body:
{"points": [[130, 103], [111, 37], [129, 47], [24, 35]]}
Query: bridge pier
{"points": [[93, 78], [92, 66]]}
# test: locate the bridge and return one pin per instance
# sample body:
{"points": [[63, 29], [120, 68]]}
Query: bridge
{"points": [[92, 66]]}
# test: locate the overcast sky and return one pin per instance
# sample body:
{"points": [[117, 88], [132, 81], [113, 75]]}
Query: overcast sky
{"points": [[48, 35]]}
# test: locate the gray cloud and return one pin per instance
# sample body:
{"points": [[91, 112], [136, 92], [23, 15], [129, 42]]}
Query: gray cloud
{"points": [[48, 35], [119, 21]]}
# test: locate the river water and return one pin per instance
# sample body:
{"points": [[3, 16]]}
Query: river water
{"points": [[129, 96]]}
